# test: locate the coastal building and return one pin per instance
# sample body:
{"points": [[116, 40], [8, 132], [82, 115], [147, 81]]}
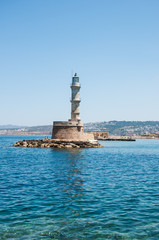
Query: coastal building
{"points": [[73, 128]]}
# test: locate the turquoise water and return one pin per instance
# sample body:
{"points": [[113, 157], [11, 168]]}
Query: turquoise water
{"points": [[101, 193]]}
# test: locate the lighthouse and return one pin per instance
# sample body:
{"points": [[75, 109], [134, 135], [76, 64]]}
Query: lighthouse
{"points": [[73, 128], [75, 99]]}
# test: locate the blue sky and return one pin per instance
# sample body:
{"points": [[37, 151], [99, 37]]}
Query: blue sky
{"points": [[113, 45]]}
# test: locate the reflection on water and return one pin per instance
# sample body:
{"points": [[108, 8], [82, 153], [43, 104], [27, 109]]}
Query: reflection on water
{"points": [[74, 182], [71, 182]]}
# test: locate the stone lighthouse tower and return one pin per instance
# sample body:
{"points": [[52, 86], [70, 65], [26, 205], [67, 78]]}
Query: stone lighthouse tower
{"points": [[75, 99], [73, 128]]}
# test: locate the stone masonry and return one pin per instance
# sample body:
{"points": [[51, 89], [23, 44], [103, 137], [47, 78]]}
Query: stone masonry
{"points": [[73, 128]]}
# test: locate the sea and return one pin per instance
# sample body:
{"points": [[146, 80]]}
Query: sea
{"points": [[79, 194]]}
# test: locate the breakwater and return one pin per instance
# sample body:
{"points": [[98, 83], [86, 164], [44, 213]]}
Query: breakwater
{"points": [[117, 139], [56, 143]]}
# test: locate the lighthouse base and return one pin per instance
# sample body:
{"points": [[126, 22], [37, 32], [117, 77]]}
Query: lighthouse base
{"points": [[70, 130]]}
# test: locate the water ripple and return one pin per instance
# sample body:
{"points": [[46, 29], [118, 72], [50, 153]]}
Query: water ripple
{"points": [[105, 193]]}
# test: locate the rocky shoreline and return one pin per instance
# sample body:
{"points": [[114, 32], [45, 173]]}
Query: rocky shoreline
{"points": [[56, 143]]}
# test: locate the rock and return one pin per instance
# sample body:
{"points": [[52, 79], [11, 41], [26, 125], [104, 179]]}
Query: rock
{"points": [[42, 145], [68, 146], [25, 144], [57, 143], [30, 145]]}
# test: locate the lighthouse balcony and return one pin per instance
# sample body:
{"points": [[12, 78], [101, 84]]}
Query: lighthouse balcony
{"points": [[78, 85], [75, 100], [76, 111]]}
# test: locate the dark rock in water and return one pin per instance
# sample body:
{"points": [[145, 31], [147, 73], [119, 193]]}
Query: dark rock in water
{"points": [[57, 143]]}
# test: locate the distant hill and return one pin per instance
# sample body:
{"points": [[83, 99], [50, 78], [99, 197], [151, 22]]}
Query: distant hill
{"points": [[124, 128], [9, 126], [114, 128], [45, 128]]}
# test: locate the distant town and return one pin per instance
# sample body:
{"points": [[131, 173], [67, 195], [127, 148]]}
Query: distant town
{"points": [[114, 128]]}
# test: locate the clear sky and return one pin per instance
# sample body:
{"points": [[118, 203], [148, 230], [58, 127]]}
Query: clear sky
{"points": [[113, 45]]}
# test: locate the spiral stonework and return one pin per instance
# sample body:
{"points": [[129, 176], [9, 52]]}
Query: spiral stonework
{"points": [[73, 128]]}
